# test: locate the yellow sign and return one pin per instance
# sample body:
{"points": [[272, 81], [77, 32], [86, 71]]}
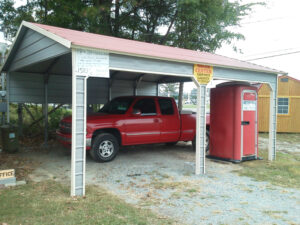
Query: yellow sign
{"points": [[7, 174], [203, 73]]}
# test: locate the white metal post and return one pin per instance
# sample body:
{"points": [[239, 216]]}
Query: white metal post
{"points": [[272, 123], [200, 130], [180, 96], [78, 162]]}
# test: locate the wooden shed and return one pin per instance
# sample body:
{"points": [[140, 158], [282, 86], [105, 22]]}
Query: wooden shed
{"points": [[288, 111]]}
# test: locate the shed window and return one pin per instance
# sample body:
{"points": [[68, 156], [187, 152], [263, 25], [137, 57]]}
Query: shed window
{"points": [[284, 79], [283, 105]]}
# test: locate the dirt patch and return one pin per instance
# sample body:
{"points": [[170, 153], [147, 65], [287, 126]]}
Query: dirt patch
{"points": [[289, 143], [23, 165]]}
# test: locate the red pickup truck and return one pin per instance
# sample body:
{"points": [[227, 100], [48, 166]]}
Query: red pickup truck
{"points": [[133, 120]]}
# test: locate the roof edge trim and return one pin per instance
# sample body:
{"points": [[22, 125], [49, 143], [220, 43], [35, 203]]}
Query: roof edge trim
{"points": [[48, 34], [173, 60], [11, 48]]}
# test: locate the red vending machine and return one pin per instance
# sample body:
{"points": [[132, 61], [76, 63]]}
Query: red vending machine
{"points": [[233, 122]]}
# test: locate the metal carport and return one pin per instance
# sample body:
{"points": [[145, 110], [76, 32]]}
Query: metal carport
{"points": [[49, 64]]}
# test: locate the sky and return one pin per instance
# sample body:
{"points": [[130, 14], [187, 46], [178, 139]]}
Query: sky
{"points": [[270, 30]]}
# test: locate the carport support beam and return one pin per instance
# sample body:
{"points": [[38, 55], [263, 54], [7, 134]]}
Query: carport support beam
{"points": [[46, 112], [78, 158], [200, 128], [180, 96], [272, 123]]}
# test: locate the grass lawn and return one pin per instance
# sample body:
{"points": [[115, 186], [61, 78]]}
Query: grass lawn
{"points": [[292, 138], [189, 106], [49, 203], [284, 171]]}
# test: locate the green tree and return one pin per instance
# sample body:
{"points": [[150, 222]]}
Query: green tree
{"points": [[193, 95], [11, 18], [169, 90], [192, 24]]}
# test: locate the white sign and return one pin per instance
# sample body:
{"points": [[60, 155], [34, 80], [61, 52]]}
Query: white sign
{"points": [[92, 63], [4, 174], [249, 105]]}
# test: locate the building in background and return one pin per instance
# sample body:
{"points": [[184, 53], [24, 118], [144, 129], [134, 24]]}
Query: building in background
{"points": [[288, 111]]}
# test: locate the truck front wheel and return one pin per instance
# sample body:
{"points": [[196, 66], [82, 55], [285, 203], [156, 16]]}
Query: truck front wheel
{"points": [[105, 147]]}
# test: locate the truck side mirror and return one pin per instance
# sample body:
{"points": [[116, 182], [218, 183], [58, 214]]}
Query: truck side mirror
{"points": [[136, 112]]}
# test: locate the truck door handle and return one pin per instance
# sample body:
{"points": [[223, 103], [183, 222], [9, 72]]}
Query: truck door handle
{"points": [[156, 120], [245, 122]]}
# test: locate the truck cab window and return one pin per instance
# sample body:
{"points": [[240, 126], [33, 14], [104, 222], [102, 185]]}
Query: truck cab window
{"points": [[117, 105], [146, 105], [166, 106]]}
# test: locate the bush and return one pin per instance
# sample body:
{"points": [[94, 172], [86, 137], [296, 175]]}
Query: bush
{"points": [[36, 110]]}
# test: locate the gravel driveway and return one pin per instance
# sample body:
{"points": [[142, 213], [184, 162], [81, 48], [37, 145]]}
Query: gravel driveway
{"points": [[154, 176]]}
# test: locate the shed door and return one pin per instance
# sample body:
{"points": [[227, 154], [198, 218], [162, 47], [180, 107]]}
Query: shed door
{"points": [[249, 123]]}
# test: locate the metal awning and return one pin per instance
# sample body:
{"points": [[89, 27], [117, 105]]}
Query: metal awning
{"points": [[42, 67]]}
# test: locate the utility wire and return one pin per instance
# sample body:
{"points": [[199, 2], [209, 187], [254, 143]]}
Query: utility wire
{"points": [[264, 53], [262, 21], [272, 56]]}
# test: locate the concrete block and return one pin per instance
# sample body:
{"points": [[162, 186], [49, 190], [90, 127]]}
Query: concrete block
{"points": [[8, 180], [189, 167], [10, 184], [21, 182]]}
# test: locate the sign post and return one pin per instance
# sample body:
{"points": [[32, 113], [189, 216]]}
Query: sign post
{"points": [[203, 75]]}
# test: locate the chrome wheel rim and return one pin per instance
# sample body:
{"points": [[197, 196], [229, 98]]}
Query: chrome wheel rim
{"points": [[106, 148]]}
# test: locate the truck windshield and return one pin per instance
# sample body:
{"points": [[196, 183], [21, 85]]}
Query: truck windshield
{"points": [[117, 105]]}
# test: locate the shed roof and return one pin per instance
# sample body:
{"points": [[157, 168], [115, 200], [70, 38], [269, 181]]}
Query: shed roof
{"points": [[72, 38]]}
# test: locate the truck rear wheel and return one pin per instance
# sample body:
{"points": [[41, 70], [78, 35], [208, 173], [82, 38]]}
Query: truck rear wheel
{"points": [[105, 148], [206, 140]]}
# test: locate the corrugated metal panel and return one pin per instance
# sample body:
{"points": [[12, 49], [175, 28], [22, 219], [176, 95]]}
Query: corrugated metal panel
{"points": [[29, 88], [147, 88], [236, 75], [26, 88], [125, 46], [149, 65], [36, 48], [126, 88], [97, 90], [59, 89], [122, 88]]}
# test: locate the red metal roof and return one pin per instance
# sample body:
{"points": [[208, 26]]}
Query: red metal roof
{"points": [[138, 48]]}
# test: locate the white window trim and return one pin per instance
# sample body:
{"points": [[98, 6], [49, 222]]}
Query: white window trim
{"points": [[288, 106]]}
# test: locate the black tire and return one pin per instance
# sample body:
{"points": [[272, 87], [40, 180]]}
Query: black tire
{"points": [[171, 143], [207, 142], [105, 148]]}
